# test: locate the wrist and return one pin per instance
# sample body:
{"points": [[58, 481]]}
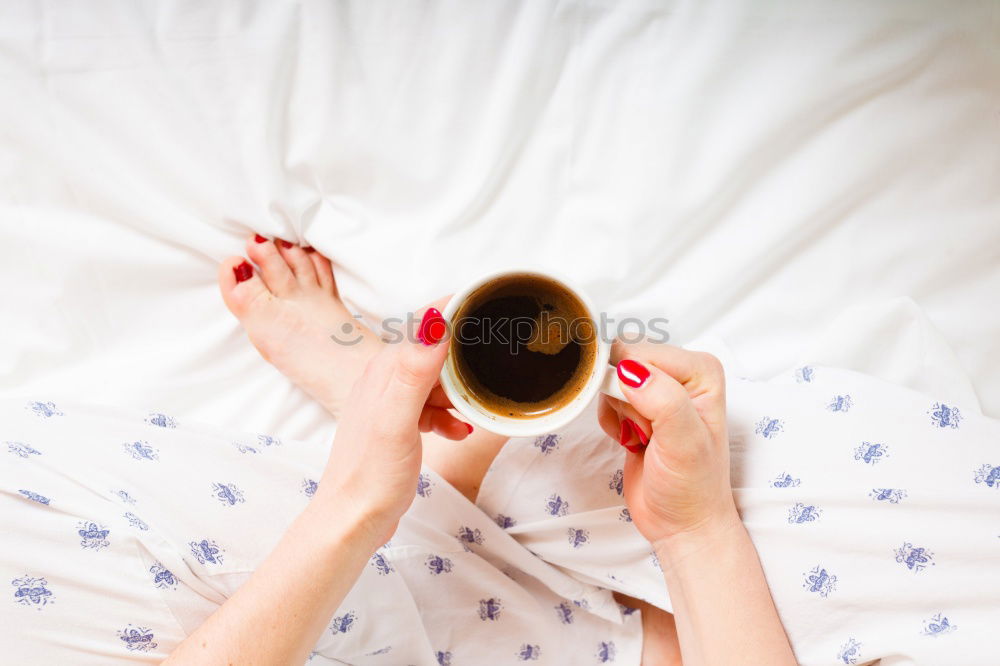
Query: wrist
{"points": [[720, 530], [342, 518]]}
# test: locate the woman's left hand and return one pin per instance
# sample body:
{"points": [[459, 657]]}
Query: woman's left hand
{"points": [[375, 458]]}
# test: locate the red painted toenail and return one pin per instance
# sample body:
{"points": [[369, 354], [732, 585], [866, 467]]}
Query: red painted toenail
{"points": [[243, 272], [469, 426], [259, 239], [285, 244], [432, 327]]}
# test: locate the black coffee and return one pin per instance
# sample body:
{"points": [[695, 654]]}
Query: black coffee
{"points": [[524, 345]]}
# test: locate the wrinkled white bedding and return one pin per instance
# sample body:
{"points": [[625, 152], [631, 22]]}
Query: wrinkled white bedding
{"points": [[799, 180]]}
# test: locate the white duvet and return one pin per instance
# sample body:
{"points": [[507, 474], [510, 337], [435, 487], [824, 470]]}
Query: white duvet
{"points": [[797, 179]]}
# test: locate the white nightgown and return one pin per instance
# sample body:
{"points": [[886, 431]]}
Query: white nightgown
{"points": [[875, 510]]}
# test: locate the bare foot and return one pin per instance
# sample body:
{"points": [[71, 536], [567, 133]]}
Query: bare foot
{"points": [[293, 315]]}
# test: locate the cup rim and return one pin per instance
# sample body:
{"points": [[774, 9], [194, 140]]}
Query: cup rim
{"points": [[523, 427]]}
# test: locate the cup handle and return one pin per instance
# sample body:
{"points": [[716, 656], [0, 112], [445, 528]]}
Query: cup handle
{"points": [[610, 385]]}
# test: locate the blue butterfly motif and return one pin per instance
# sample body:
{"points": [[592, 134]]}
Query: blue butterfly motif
{"points": [[125, 497], [578, 538], [22, 450], [32, 592], [606, 651], [135, 521], [267, 440], [556, 505], [245, 448], [438, 565], [617, 483], [785, 480], [93, 535], [870, 453], [804, 375], [161, 420], [626, 611], [227, 493], [944, 416], [655, 561], [470, 535], [769, 428], [386, 650], [505, 522], [141, 450], [424, 485], [443, 658], [989, 475], [137, 639], [309, 487], [162, 577], [938, 625], [35, 497], [803, 513], [489, 609], [381, 564], [820, 582], [891, 495], [343, 623], [206, 551], [44, 409], [916, 559], [547, 443], [850, 652], [625, 516], [840, 403], [529, 652], [565, 613]]}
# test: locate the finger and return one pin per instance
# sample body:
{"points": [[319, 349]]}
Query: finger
{"points": [[424, 422], [414, 371], [438, 398], [663, 401], [441, 302], [607, 417], [623, 424], [700, 373], [446, 425]]}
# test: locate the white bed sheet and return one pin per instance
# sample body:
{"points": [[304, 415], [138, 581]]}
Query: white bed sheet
{"points": [[798, 180]]}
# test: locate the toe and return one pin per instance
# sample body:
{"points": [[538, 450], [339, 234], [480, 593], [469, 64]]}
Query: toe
{"points": [[274, 269], [300, 263], [242, 288], [324, 272]]}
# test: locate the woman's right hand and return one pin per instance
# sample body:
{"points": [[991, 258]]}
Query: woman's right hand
{"points": [[679, 483], [375, 458]]}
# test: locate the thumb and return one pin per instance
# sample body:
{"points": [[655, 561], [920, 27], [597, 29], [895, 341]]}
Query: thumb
{"points": [[415, 369], [664, 402]]}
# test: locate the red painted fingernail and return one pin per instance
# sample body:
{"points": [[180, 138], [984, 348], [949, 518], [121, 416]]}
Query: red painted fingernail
{"points": [[243, 272], [469, 426], [630, 427], [432, 327], [632, 373], [257, 238], [285, 244], [625, 436], [310, 249], [638, 432]]}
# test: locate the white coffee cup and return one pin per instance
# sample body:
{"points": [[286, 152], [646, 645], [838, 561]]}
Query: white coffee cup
{"points": [[603, 376]]}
